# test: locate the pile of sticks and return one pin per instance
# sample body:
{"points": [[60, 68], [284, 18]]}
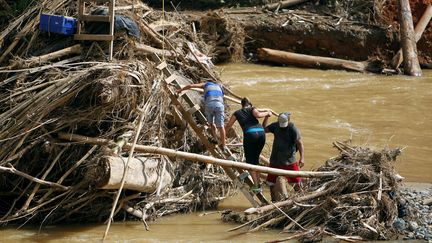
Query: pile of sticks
{"points": [[360, 204], [51, 84]]}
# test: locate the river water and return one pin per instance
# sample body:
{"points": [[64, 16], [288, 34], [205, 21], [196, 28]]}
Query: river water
{"points": [[372, 110]]}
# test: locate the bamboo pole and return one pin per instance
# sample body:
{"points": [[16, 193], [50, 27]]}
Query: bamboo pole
{"points": [[409, 48], [283, 4], [418, 31], [203, 158], [284, 57]]}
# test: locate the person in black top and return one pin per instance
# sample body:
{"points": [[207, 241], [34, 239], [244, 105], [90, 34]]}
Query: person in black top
{"points": [[287, 141], [253, 134]]}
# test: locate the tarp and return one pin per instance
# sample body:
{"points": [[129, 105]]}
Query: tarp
{"points": [[120, 23]]}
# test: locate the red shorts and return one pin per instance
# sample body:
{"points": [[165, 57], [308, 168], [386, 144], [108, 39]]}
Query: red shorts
{"points": [[294, 166]]}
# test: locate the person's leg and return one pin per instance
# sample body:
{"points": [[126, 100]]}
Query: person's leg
{"points": [[255, 178], [219, 122], [209, 112], [296, 181], [253, 143], [271, 180], [213, 130], [222, 135]]}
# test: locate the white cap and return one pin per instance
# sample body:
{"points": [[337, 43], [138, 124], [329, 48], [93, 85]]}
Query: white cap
{"points": [[283, 119]]}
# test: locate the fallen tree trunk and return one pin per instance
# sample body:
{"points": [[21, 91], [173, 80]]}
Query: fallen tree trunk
{"points": [[38, 60], [144, 174], [409, 48], [283, 4], [284, 57], [200, 158], [418, 31]]}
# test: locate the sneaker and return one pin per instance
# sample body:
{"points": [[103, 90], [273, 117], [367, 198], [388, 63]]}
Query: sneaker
{"points": [[255, 189]]}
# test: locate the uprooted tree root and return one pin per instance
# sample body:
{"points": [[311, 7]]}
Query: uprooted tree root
{"points": [[362, 203], [224, 35]]}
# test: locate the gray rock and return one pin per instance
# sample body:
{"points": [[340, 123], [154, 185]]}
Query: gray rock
{"points": [[399, 224], [413, 226]]}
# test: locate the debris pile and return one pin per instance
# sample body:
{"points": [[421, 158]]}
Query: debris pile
{"points": [[363, 203], [51, 84]]}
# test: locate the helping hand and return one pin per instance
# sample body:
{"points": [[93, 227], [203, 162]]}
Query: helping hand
{"points": [[301, 163]]}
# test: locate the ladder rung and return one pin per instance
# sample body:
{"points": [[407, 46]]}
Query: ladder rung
{"points": [[194, 109], [170, 78], [95, 18], [93, 37], [162, 65]]}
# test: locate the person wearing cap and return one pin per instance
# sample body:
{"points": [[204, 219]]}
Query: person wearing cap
{"points": [[253, 135], [213, 107], [287, 141]]}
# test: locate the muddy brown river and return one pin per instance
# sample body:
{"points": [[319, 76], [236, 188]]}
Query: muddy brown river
{"points": [[371, 110]]}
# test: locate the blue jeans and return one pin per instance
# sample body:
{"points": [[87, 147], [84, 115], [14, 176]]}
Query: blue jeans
{"points": [[215, 112]]}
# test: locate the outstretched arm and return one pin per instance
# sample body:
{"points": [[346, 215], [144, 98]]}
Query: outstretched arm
{"points": [[300, 147], [230, 123], [264, 124], [261, 113], [190, 86]]}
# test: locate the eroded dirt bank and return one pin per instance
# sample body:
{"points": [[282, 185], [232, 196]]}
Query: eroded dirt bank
{"points": [[353, 30]]}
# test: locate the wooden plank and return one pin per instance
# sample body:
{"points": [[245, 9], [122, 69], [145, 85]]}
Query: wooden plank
{"points": [[171, 78], [162, 66], [94, 18], [80, 11], [93, 37], [194, 109], [111, 14]]}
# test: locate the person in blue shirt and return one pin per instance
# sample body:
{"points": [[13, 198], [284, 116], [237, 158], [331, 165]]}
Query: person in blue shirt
{"points": [[213, 106], [253, 135]]}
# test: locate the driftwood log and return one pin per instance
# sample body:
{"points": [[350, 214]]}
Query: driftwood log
{"points": [[144, 174], [283, 4], [418, 30], [38, 60], [284, 57], [409, 48], [151, 50]]}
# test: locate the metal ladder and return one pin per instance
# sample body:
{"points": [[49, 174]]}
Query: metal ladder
{"points": [[188, 113], [83, 17]]}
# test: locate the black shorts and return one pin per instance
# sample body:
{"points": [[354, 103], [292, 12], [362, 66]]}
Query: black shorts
{"points": [[253, 144]]}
